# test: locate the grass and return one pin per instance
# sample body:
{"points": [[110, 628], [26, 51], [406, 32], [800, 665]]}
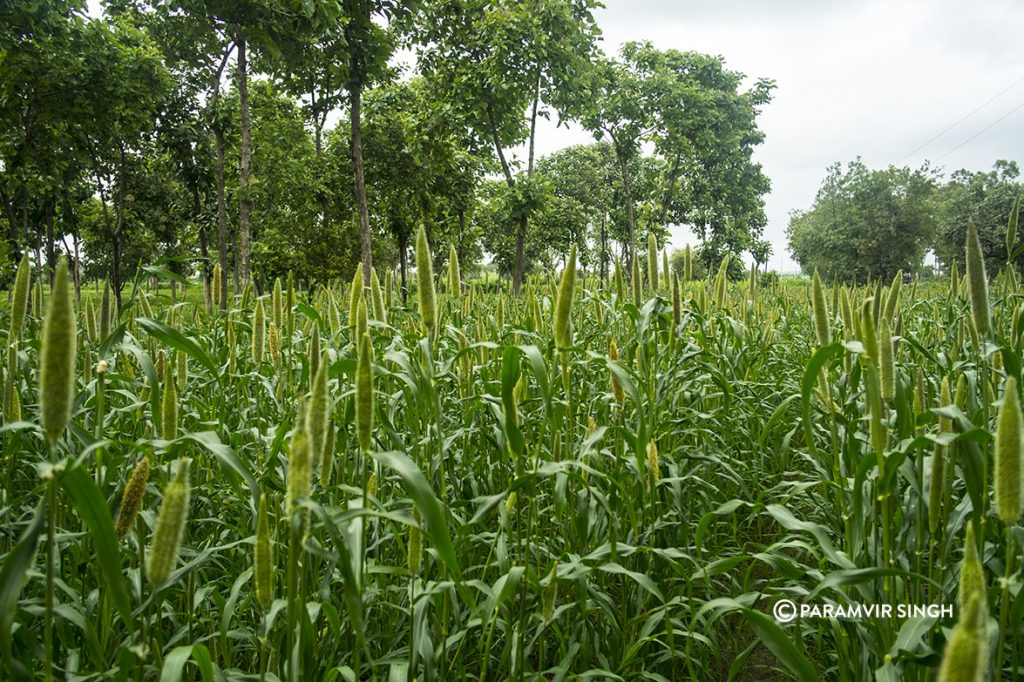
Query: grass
{"points": [[493, 509]]}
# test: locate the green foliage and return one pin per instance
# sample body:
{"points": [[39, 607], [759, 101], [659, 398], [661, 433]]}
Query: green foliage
{"points": [[287, 231], [703, 129], [865, 223], [571, 436], [984, 198], [677, 261]]}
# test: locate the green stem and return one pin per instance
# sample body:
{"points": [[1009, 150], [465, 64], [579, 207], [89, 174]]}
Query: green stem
{"points": [[1004, 604], [51, 541], [292, 615]]}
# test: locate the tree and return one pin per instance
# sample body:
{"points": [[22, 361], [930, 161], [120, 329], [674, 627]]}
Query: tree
{"points": [[40, 44], [501, 64], [309, 66], [622, 113], [761, 251], [581, 180], [496, 220], [77, 97], [135, 82], [703, 130], [865, 223], [285, 192], [986, 198], [370, 32], [196, 38], [421, 168], [80, 99], [706, 137]]}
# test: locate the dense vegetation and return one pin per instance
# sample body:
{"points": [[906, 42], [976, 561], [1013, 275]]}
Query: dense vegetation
{"points": [[867, 223], [269, 137], [243, 437], [612, 479]]}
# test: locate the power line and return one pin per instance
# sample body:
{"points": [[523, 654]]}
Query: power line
{"points": [[961, 120], [1011, 111]]}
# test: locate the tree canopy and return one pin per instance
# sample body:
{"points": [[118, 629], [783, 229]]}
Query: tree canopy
{"points": [[867, 223], [262, 137]]}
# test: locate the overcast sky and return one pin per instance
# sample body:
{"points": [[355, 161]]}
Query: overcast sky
{"points": [[872, 78]]}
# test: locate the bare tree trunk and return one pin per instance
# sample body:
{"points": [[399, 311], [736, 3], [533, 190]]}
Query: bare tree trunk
{"points": [[360, 182], [51, 252], [30, 243], [604, 248], [521, 228], [222, 214], [630, 211], [520, 268], [318, 135], [243, 180], [222, 220], [78, 267], [204, 250], [403, 259], [118, 226]]}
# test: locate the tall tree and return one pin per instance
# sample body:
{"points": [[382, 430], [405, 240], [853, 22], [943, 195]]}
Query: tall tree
{"points": [[136, 82], [503, 63], [311, 66], [865, 223], [702, 127], [371, 32], [196, 37], [423, 167], [984, 198], [59, 111], [582, 181], [622, 113]]}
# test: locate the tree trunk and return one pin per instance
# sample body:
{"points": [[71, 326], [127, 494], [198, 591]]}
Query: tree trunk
{"points": [[521, 231], [243, 180], [222, 220], [30, 243], [118, 227], [604, 248], [12, 221], [78, 269], [51, 252], [630, 214], [403, 259], [116, 271], [318, 135], [462, 234], [204, 250], [520, 267], [222, 214], [356, 94]]}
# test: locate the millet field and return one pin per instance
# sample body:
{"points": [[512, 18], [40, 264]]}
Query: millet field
{"points": [[610, 480]]}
